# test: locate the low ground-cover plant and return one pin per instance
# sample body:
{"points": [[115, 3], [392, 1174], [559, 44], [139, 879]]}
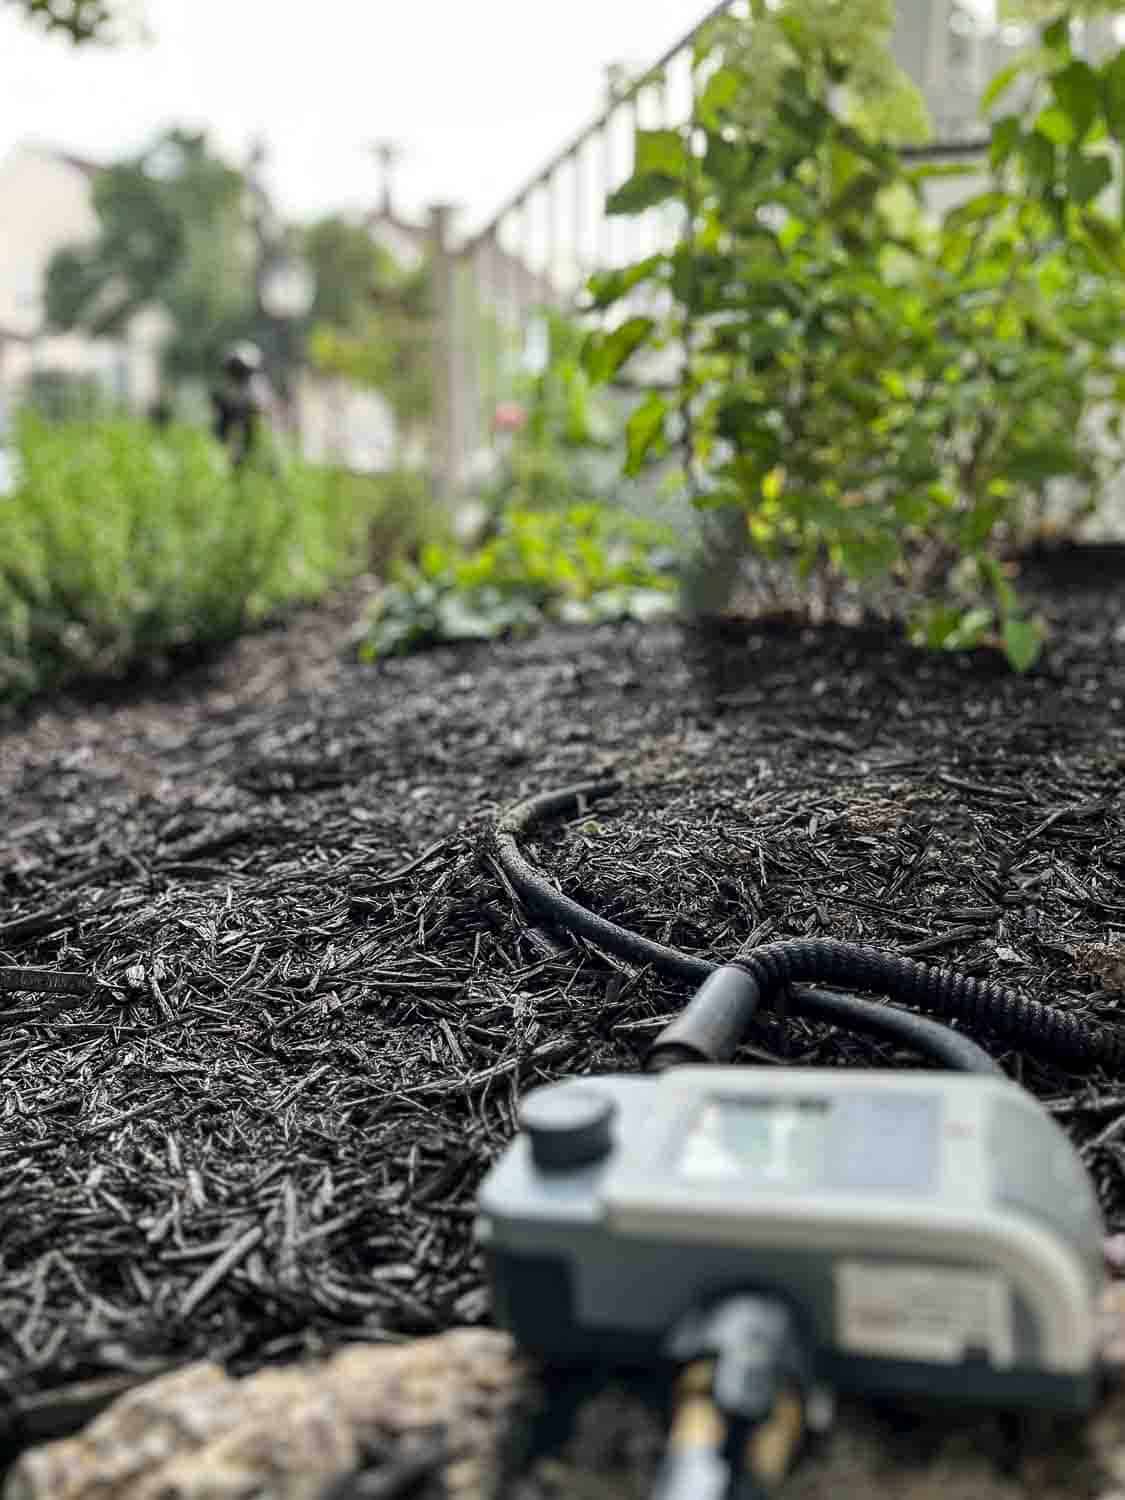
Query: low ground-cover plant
{"points": [[120, 544], [862, 385], [579, 565]]}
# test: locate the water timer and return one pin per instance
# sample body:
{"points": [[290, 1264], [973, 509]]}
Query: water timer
{"points": [[932, 1234]]}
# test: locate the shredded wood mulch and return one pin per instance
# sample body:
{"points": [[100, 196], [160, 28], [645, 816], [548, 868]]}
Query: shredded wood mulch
{"points": [[318, 1003]]}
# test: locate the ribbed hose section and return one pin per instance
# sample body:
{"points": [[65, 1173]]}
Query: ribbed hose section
{"points": [[939, 992]]}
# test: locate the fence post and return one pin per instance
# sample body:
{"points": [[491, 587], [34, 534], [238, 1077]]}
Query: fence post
{"points": [[445, 455]]}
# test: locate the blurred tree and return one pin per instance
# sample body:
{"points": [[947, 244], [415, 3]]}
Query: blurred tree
{"points": [[351, 268], [172, 235], [850, 48], [372, 319], [176, 232], [80, 20]]}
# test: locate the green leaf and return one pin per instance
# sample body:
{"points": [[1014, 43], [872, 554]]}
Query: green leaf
{"points": [[1113, 95], [462, 618], [773, 484], [933, 170], [795, 28], [1039, 158], [723, 88], [726, 163], [660, 151], [607, 287], [969, 629], [912, 510], [1023, 641], [870, 554], [1087, 176], [641, 193], [604, 354], [1056, 36], [1001, 83], [857, 195], [743, 423], [1105, 239], [1006, 135], [1077, 89], [938, 624], [644, 431], [994, 576], [983, 206], [1057, 126]]}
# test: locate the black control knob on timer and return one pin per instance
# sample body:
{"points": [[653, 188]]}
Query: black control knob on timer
{"points": [[568, 1125]]}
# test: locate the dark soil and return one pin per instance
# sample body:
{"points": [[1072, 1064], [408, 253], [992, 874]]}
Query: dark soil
{"points": [[321, 1003]]}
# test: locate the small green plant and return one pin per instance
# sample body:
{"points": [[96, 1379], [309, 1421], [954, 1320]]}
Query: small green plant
{"points": [[119, 544], [577, 566]]}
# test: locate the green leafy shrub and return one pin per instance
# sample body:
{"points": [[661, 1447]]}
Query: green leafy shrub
{"points": [[869, 389], [119, 544], [400, 510], [579, 566]]}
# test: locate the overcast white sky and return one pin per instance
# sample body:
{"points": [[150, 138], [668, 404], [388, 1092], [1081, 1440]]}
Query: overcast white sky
{"points": [[479, 92]]}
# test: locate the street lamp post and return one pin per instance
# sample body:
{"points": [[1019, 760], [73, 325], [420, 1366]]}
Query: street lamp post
{"points": [[287, 290], [285, 286]]}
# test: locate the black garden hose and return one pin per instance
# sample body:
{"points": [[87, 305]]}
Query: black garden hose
{"points": [[719, 1016], [886, 1023], [46, 982]]}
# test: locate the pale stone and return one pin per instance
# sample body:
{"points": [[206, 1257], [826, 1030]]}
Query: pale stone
{"points": [[289, 1448], [140, 1430], [285, 1433]]}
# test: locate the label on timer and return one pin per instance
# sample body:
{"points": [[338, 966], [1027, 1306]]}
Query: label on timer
{"points": [[923, 1312]]}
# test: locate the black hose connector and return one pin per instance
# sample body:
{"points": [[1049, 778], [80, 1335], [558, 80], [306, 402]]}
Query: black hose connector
{"points": [[739, 1403], [714, 1024]]}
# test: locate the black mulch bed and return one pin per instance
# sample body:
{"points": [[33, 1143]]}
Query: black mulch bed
{"points": [[322, 1002]]}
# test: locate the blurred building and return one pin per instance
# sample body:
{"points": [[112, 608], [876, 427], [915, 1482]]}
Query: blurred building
{"points": [[46, 205], [953, 48], [407, 242]]}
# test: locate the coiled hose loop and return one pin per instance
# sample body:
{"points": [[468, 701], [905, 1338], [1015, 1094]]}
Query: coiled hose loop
{"points": [[1000, 1013]]}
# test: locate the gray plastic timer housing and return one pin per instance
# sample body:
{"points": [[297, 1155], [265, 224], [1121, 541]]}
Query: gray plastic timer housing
{"points": [[935, 1234]]}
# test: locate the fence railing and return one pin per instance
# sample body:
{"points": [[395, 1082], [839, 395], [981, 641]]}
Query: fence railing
{"points": [[540, 248]]}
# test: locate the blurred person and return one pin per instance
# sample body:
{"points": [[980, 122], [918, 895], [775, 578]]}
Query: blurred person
{"points": [[240, 401]]}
